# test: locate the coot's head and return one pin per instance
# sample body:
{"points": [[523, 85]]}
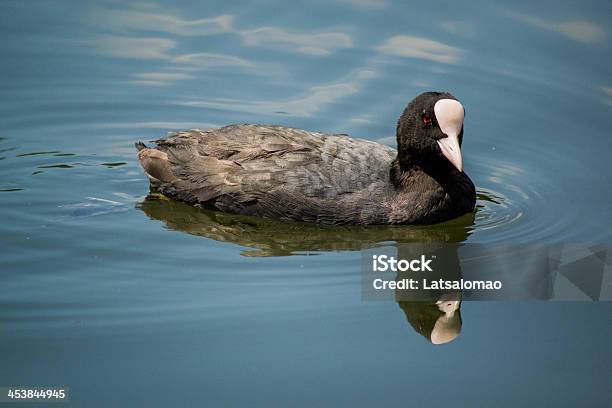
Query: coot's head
{"points": [[430, 131]]}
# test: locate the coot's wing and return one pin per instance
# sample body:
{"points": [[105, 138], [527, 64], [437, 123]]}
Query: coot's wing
{"points": [[271, 170]]}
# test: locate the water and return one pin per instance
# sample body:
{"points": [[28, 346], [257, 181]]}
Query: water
{"points": [[126, 299]]}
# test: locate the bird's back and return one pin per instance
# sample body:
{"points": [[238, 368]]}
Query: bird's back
{"points": [[273, 171]]}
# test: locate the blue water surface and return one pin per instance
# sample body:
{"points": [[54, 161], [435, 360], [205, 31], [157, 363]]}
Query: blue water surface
{"points": [[135, 302]]}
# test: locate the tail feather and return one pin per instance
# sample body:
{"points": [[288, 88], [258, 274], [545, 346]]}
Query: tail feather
{"points": [[139, 145], [156, 165]]}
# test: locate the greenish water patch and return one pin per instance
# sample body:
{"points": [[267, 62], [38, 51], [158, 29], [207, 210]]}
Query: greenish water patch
{"points": [[270, 237], [483, 195]]}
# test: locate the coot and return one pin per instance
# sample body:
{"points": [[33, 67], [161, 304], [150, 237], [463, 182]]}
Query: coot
{"points": [[280, 172]]}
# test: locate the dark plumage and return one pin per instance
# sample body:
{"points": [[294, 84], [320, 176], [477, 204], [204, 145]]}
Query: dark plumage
{"points": [[280, 172]]}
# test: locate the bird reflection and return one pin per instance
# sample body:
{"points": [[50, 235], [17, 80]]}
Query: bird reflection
{"points": [[436, 316], [439, 321]]}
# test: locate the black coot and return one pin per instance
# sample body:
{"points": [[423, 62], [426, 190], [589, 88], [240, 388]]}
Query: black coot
{"points": [[279, 172]]}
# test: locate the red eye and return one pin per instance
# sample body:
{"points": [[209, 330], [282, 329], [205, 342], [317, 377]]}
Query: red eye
{"points": [[426, 119]]}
